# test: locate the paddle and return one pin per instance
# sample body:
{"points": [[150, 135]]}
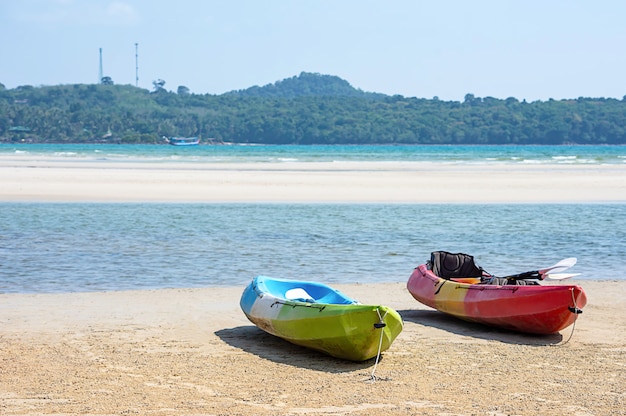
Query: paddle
{"points": [[542, 274], [559, 276]]}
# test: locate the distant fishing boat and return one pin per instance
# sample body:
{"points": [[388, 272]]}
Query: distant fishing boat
{"points": [[183, 141]]}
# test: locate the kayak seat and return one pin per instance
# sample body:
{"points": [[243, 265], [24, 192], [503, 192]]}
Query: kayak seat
{"points": [[461, 268], [299, 294], [320, 295], [454, 265]]}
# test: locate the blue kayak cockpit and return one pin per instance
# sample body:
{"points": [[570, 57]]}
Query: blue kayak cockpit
{"points": [[302, 291]]}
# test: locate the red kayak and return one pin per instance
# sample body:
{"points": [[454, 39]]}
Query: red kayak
{"points": [[524, 307]]}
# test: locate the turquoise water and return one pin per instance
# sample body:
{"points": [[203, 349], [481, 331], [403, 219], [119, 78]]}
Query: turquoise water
{"points": [[69, 247], [277, 154]]}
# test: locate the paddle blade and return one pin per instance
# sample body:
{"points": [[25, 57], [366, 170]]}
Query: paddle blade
{"points": [[559, 276], [560, 266]]}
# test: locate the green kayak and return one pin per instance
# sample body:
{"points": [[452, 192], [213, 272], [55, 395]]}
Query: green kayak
{"points": [[317, 316]]}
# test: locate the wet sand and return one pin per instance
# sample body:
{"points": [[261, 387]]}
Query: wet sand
{"points": [[50, 180]]}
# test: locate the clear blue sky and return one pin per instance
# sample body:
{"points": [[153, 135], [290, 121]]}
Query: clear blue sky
{"points": [[528, 49]]}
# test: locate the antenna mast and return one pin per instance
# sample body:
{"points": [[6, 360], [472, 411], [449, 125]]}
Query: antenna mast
{"points": [[136, 65], [100, 73]]}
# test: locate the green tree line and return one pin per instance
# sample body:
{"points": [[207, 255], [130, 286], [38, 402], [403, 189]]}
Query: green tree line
{"points": [[306, 109]]}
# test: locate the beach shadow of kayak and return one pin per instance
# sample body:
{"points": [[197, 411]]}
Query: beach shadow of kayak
{"points": [[440, 320], [253, 340]]}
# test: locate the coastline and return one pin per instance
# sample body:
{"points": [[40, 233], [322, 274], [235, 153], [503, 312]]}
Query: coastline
{"points": [[50, 180], [192, 351]]}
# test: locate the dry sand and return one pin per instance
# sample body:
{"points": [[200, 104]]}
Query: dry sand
{"points": [[192, 352]]}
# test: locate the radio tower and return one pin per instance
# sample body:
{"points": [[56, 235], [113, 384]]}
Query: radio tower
{"points": [[100, 73], [136, 66]]}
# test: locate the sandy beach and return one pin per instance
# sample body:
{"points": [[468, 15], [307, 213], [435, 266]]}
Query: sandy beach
{"points": [[378, 182], [193, 352]]}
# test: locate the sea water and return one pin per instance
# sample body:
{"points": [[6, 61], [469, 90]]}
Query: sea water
{"points": [[69, 247], [72, 247], [449, 154]]}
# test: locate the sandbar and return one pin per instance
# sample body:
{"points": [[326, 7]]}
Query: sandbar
{"points": [[51, 180]]}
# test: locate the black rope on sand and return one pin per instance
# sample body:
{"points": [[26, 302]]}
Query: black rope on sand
{"points": [[575, 311]]}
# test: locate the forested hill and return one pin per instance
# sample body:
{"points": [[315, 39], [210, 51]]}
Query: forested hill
{"points": [[306, 109], [308, 85]]}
